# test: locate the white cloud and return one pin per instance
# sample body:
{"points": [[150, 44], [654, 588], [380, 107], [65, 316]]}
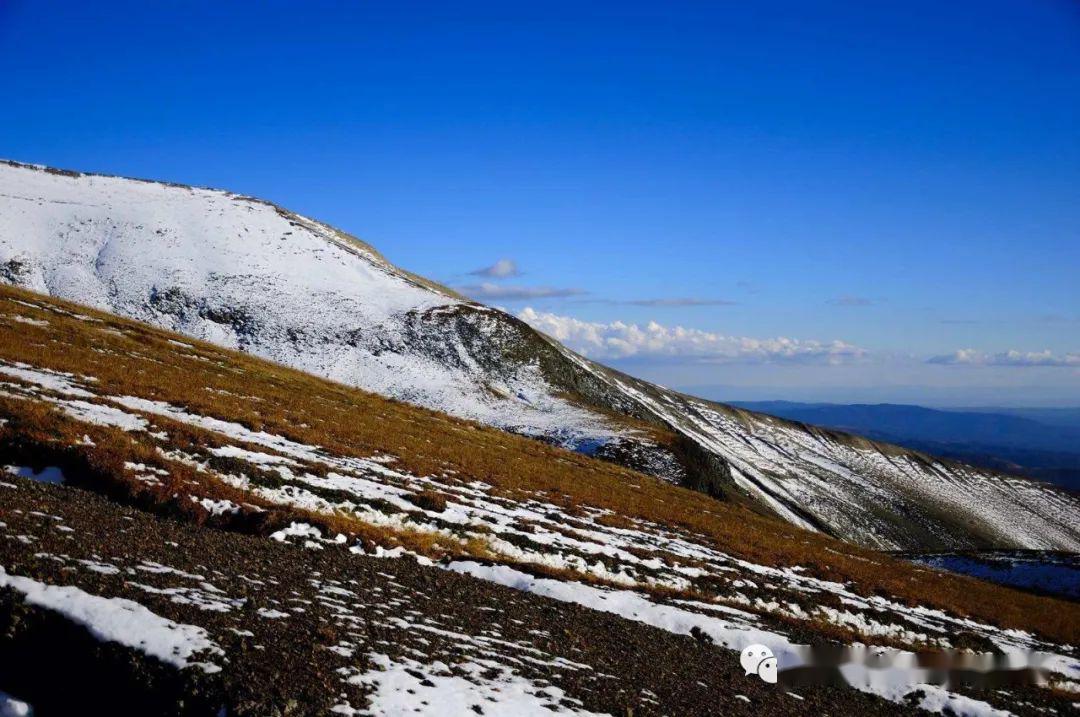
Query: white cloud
{"points": [[688, 301], [488, 290], [850, 300], [502, 269], [971, 357], [621, 340]]}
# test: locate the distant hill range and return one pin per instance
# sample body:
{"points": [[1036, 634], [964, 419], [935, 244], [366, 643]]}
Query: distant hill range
{"points": [[1042, 443]]}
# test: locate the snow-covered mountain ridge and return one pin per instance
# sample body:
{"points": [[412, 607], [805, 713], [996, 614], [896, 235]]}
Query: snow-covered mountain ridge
{"points": [[246, 274]]}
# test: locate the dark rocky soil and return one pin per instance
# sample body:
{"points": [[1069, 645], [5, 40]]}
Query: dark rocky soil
{"points": [[277, 610]]}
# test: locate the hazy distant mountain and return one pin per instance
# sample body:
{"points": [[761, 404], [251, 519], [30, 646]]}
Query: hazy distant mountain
{"points": [[1040, 443], [246, 274], [1065, 417]]}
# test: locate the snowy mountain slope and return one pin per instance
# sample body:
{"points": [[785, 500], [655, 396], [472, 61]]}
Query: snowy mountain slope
{"points": [[246, 274], [866, 492]]}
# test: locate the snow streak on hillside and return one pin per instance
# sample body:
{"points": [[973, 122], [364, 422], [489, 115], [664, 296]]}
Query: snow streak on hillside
{"points": [[245, 274]]}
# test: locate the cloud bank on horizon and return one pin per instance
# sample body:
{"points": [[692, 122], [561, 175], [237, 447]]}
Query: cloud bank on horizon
{"points": [[506, 268], [812, 368], [619, 340], [499, 292], [971, 357]]}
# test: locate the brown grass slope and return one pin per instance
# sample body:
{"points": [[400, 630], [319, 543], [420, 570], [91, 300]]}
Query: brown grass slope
{"points": [[129, 358]]}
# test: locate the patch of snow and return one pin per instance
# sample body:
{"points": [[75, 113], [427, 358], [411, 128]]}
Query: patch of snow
{"points": [[410, 687], [216, 507], [100, 415], [255, 457], [153, 568], [31, 322], [633, 606], [99, 567], [892, 685], [896, 684], [205, 598], [120, 620], [301, 530], [62, 383], [143, 468]]}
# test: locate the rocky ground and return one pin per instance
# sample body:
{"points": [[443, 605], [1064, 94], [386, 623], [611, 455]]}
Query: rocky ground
{"points": [[295, 632]]}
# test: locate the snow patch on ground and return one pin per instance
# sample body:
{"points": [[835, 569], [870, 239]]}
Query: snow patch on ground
{"points": [[410, 687], [893, 685], [31, 322], [103, 415], [62, 383], [633, 606], [120, 620]]}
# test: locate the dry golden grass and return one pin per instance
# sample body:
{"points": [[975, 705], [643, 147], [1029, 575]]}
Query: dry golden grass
{"points": [[128, 358]]}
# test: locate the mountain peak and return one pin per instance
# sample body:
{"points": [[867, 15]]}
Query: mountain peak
{"points": [[246, 274]]}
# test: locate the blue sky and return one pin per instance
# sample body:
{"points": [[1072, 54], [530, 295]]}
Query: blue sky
{"points": [[833, 200]]}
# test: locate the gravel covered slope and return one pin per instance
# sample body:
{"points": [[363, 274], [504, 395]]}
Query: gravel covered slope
{"points": [[303, 632]]}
